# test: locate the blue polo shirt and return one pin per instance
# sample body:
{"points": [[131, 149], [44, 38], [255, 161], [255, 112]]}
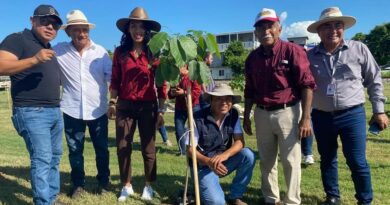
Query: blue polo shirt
{"points": [[38, 86]]}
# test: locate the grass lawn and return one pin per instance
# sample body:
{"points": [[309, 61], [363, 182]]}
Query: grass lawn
{"points": [[15, 180]]}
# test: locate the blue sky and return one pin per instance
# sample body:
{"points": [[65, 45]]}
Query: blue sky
{"points": [[178, 16]]}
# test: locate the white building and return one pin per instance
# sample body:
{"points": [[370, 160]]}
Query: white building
{"points": [[249, 42]]}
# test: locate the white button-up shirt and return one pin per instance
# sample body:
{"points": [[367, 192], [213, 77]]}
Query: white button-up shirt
{"points": [[84, 80]]}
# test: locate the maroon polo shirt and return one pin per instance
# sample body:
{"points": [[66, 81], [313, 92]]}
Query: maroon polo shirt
{"points": [[133, 79], [277, 78], [196, 89]]}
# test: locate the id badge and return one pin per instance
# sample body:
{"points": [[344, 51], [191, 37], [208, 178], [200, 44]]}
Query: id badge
{"points": [[330, 90]]}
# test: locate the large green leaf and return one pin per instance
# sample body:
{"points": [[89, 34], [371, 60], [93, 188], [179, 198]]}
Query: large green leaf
{"points": [[204, 73], [212, 45], [189, 47], [202, 48], [157, 42], [175, 52], [164, 68], [193, 71], [159, 76]]}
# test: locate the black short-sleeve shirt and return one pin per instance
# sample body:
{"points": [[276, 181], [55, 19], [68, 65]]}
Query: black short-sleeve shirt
{"points": [[38, 86]]}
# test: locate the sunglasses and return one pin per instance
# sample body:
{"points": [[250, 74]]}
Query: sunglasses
{"points": [[46, 20]]}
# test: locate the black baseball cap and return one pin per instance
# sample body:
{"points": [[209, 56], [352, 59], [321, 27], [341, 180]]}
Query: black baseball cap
{"points": [[47, 10]]}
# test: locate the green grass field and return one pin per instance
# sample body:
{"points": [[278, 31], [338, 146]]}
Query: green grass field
{"points": [[15, 180]]}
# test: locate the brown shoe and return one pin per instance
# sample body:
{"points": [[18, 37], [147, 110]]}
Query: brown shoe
{"points": [[236, 202]]}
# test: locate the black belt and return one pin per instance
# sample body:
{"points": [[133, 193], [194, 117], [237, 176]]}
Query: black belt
{"points": [[277, 107], [338, 112]]}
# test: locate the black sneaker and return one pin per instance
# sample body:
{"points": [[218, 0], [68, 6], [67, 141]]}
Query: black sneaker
{"points": [[77, 192], [332, 201]]}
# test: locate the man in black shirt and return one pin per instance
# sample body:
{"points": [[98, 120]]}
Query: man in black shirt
{"points": [[28, 59]]}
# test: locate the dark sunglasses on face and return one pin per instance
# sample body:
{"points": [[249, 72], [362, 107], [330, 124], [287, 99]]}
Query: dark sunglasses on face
{"points": [[45, 21]]}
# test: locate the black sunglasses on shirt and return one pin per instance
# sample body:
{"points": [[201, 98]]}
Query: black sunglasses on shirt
{"points": [[47, 20]]}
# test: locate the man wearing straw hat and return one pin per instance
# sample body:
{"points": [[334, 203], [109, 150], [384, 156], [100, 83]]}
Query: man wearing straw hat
{"points": [[278, 81], [342, 69], [35, 88], [221, 148], [85, 73]]}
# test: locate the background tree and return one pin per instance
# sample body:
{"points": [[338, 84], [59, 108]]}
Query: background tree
{"points": [[359, 37], [234, 57], [378, 41]]}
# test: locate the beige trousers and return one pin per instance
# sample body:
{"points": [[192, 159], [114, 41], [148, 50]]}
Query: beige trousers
{"points": [[279, 129]]}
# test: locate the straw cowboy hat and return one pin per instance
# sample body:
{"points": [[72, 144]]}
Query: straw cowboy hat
{"points": [[138, 14], [77, 17], [222, 90], [332, 14]]}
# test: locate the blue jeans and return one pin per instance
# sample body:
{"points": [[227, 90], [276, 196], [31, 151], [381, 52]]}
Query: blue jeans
{"points": [[211, 192], [41, 129], [351, 126], [306, 145], [163, 132], [180, 124], [75, 137]]}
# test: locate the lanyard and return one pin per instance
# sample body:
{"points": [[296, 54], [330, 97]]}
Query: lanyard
{"points": [[333, 69]]}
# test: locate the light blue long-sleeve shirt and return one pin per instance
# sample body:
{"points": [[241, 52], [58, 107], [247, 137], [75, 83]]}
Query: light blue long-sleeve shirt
{"points": [[350, 69]]}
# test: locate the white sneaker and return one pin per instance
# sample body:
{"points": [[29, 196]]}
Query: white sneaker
{"points": [[168, 143], [126, 192], [308, 159], [147, 194]]}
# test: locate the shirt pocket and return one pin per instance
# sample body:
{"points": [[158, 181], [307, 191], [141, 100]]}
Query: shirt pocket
{"points": [[349, 72], [279, 77]]}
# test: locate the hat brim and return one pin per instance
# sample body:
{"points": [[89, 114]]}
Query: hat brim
{"points": [[149, 24], [348, 21], [207, 97], [90, 25], [266, 19]]}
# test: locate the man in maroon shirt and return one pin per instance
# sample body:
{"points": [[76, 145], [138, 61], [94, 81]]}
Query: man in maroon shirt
{"points": [[278, 81]]}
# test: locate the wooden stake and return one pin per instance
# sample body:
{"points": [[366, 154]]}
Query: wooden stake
{"points": [[192, 137]]}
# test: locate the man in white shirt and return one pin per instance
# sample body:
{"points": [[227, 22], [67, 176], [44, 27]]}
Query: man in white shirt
{"points": [[85, 73]]}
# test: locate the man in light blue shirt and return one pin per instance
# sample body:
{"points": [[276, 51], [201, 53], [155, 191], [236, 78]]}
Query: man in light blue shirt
{"points": [[85, 73], [342, 69]]}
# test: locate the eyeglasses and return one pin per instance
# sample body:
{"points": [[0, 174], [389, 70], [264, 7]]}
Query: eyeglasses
{"points": [[46, 20], [331, 26]]}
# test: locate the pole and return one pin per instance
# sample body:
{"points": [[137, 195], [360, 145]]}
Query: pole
{"points": [[194, 160]]}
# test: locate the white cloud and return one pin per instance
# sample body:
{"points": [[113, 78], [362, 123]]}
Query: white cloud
{"points": [[298, 29]]}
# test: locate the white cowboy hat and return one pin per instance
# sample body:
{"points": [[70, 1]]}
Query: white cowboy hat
{"points": [[77, 17], [332, 14], [222, 90], [138, 14]]}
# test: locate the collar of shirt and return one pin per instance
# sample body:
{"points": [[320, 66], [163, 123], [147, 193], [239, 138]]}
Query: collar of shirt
{"points": [[275, 48], [321, 49]]}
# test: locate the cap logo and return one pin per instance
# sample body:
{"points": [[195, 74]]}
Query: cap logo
{"points": [[265, 13], [52, 11]]}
